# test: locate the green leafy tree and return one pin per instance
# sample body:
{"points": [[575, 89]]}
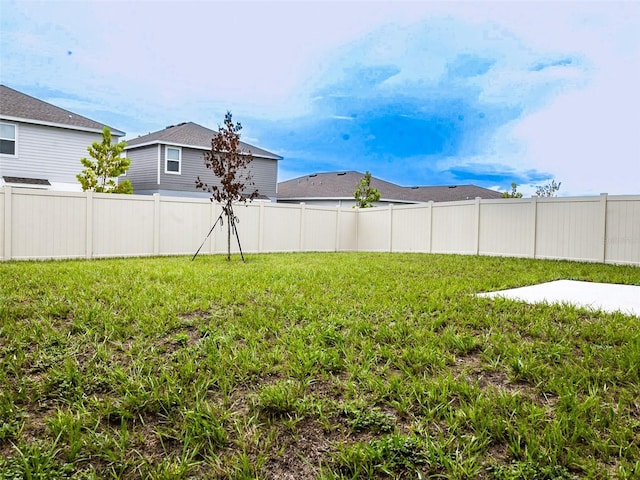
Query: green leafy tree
{"points": [[229, 165], [104, 166], [365, 194], [514, 192], [548, 190]]}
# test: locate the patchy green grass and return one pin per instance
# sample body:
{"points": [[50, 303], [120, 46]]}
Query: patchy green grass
{"points": [[329, 366]]}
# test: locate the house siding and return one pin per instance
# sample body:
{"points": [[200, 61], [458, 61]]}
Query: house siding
{"points": [[46, 152], [265, 176], [143, 171], [144, 175], [192, 165]]}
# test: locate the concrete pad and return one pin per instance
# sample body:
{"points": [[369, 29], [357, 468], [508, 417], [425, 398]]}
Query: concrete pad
{"points": [[607, 297]]}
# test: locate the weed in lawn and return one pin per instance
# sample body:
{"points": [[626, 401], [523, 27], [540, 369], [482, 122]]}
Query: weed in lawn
{"points": [[68, 426], [363, 417], [203, 427], [390, 455], [525, 471], [281, 399], [37, 461], [11, 418]]}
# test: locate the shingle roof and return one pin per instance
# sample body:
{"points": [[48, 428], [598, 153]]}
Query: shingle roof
{"points": [[192, 135], [341, 185], [17, 105]]}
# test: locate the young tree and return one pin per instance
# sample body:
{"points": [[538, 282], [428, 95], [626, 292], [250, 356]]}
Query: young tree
{"points": [[229, 166], [365, 194], [104, 166], [514, 192], [548, 190]]}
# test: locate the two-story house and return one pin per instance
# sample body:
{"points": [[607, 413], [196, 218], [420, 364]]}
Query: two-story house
{"points": [[169, 161], [41, 145]]}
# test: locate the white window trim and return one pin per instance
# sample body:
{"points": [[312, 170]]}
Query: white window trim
{"points": [[166, 160], [15, 140]]}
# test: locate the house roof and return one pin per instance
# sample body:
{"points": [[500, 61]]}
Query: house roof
{"points": [[18, 106], [192, 135], [341, 185]]}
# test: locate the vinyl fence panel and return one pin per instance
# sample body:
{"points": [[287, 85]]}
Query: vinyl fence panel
{"points": [[319, 229], [411, 229], [570, 228], [123, 225], [39, 224], [623, 230], [507, 227], [3, 221], [454, 227], [347, 230], [374, 229], [247, 225], [183, 225], [48, 225], [281, 228]]}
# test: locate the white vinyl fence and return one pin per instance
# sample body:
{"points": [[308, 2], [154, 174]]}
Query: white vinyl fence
{"points": [[42, 224]]}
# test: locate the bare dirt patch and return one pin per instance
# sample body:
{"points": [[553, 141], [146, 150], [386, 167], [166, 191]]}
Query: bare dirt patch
{"points": [[303, 453], [470, 367]]}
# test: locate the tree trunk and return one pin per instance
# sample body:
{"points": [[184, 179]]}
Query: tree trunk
{"points": [[228, 236]]}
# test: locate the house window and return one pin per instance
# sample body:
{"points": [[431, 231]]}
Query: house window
{"points": [[7, 139], [173, 160]]}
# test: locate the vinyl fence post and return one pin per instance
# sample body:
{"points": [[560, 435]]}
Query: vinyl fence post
{"points": [[534, 225], [476, 246], [261, 227], [7, 223], [303, 214], [430, 220], [391, 227], [89, 224], [212, 218], [357, 229], [156, 224], [337, 239], [603, 227]]}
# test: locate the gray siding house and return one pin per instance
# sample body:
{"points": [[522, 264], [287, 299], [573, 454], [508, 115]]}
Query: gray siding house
{"points": [[169, 161], [336, 189], [41, 145]]}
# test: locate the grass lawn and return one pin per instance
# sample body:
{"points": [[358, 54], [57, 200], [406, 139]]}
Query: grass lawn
{"points": [[329, 366]]}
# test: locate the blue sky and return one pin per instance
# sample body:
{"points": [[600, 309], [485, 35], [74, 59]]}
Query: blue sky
{"points": [[418, 93]]}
